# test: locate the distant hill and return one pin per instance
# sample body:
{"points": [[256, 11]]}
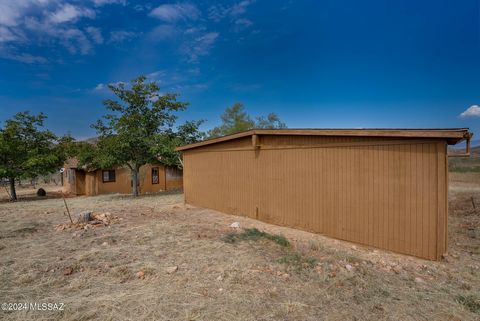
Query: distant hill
{"points": [[464, 164], [93, 140], [475, 151], [460, 148]]}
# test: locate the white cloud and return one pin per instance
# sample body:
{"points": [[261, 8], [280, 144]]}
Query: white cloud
{"points": [[68, 13], [100, 87], [178, 80], [11, 14], [75, 41], [200, 46], [121, 35], [26, 22], [241, 7], [243, 23], [24, 57], [99, 3], [95, 34], [7, 35], [219, 12], [156, 74], [162, 32], [175, 12], [104, 87], [472, 111], [12, 11]]}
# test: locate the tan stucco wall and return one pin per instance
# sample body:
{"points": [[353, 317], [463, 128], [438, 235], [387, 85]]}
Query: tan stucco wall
{"points": [[123, 180], [91, 183]]}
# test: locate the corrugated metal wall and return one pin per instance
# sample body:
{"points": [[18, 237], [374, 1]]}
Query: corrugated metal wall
{"points": [[389, 194]]}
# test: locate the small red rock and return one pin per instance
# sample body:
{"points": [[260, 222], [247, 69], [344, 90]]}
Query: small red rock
{"points": [[67, 271]]}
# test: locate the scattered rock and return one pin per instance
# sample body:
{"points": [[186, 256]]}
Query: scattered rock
{"points": [[83, 217], [41, 192], [235, 225], [397, 269], [349, 267], [104, 243], [447, 258], [67, 271], [419, 280], [219, 278], [140, 275], [88, 220], [473, 233], [172, 269]]}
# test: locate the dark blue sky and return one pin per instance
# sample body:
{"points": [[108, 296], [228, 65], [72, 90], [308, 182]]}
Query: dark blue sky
{"points": [[315, 63]]}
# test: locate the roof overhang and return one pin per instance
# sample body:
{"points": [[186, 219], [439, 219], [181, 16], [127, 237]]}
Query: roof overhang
{"points": [[451, 135]]}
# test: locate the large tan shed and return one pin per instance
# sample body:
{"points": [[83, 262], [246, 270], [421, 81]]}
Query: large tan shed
{"points": [[385, 188]]}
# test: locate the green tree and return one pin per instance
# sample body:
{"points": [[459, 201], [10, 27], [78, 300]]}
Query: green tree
{"points": [[130, 129], [235, 119], [187, 133], [28, 150], [272, 121]]}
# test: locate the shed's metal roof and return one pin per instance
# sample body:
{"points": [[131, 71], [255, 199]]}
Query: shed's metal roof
{"points": [[451, 135]]}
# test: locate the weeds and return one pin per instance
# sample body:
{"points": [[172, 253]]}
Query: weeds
{"points": [[347, 257], [20, 232], [253, 234], [315, 246], [230, 238], [464, 165], [297, 261], [470, 302], [465, 169]]}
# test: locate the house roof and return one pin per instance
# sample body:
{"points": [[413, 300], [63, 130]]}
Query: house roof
{"points": [[451, 135]]}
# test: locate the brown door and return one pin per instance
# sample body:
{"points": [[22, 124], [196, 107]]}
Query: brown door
{"points": [[80, 182]]}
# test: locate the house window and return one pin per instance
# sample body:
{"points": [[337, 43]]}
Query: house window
{"points": [[155, 175], [108, 176]]}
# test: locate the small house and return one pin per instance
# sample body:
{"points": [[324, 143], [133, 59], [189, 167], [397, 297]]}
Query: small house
{"points": [[152, 178]]}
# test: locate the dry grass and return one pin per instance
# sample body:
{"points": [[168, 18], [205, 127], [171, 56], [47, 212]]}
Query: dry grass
{"points": [[94, 272]]}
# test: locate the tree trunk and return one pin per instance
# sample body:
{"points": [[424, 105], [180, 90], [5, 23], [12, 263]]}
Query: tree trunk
{"points": [[13, 192], [135, 182]]}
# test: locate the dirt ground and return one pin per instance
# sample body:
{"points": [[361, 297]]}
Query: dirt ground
{"points": [[161, 260]]}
